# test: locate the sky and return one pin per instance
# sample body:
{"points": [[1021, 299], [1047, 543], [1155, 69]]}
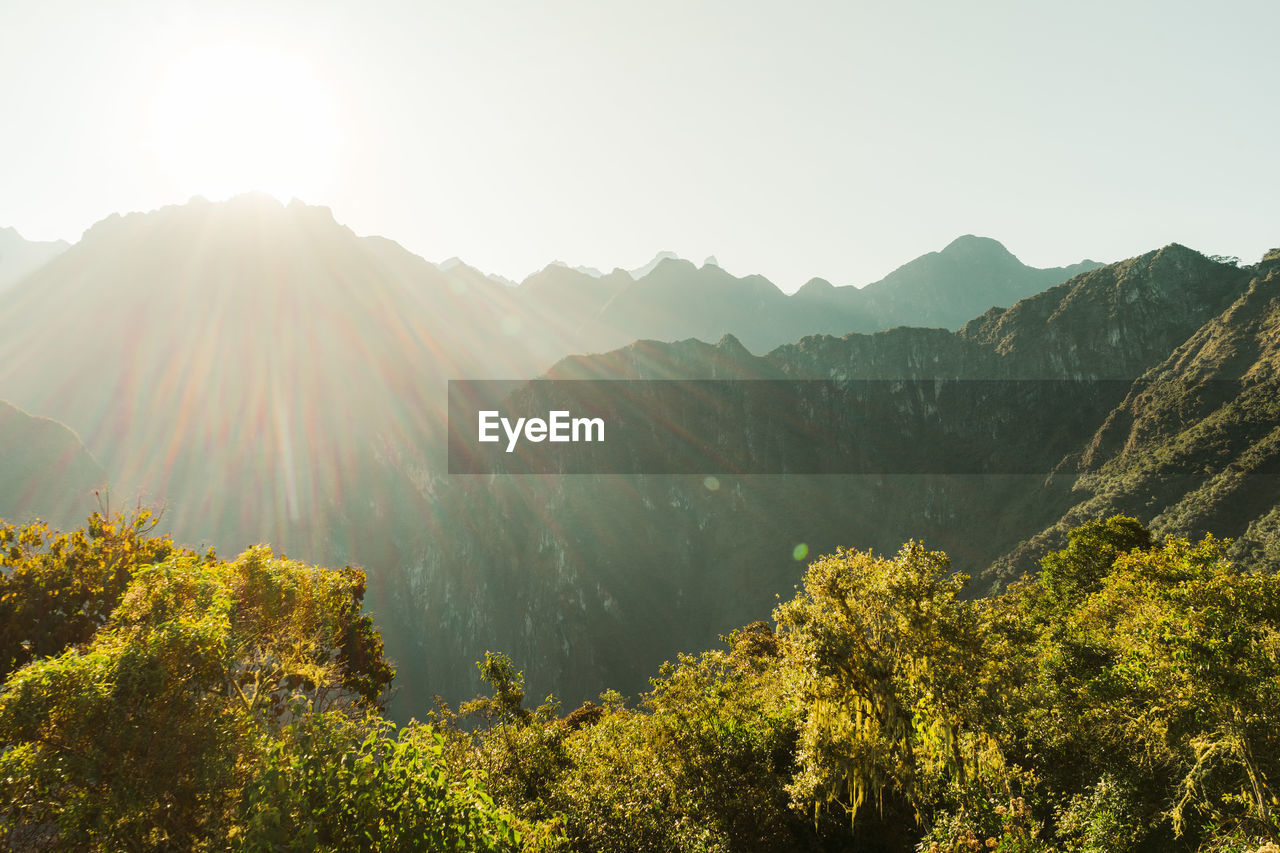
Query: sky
{"points": [[790, 139]]}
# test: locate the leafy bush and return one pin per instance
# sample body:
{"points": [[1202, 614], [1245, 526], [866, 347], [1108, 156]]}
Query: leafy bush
{"points": [[191, 703], [1127, 699], [334, 783]]}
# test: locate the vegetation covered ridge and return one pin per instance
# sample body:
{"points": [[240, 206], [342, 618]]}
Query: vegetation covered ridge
{"points": [[1125, 697]]}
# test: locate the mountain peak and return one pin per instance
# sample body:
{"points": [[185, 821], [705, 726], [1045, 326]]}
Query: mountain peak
{"points": [[10, 237], [670, 265], [816, 287], [591, 271], [730, 345], [19, 256], [1177, 249], [971, 245], [642, 271]]}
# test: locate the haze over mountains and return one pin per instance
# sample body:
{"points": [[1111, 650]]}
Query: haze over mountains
{"points": [[674, 299], [19, 257], [267, 375], [266, 351], [46, 471]]}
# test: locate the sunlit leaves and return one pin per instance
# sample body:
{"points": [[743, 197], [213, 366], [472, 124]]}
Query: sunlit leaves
{"points": [[331, 782], [57, 589], [142, 730], [1190, 672], [701, 766], [1127, 698], [889, 652]]}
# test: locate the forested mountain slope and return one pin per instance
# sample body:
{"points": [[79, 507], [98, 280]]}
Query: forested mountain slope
{"points": [[595, 579]]}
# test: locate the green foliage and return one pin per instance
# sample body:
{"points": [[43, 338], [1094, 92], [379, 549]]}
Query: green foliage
{"points": [[1103, 818], [1077, 570], [703, 766], [334, 783], [218, 704], [506, 705], [1126, 699], [57, 589], [1003, 826], [521, 751], [113, 744], [1147, 696], [888, 650], [704, 769], [1190, 679]]}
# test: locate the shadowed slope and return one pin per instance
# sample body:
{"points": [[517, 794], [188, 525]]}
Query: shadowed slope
{"points": [[45, 471]]}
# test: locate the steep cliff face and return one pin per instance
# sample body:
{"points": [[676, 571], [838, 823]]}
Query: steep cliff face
{"points": [[592, 581], [1195, 445], [1113, 322], [902, 353]]}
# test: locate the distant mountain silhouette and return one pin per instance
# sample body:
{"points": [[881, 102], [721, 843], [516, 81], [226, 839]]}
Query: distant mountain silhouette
{"points": [[591, 271], [949, 287], [45, 471], [672, 299], [19, 257], [642, 271]]}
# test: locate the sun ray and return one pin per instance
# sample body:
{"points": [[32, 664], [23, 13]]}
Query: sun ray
{"points": [[232, 118]]}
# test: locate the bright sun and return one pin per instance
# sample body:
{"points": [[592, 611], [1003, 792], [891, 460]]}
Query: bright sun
{"points": [[234, 118]]}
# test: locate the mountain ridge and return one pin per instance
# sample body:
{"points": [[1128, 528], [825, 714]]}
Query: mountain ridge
{"points": [[268, 353], [20, 257], [46, 470], [1194, 448], [904, 297], [706, 560]]}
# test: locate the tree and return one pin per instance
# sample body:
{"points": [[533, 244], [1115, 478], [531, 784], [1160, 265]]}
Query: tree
{"points": [[702, 765], [1190, 681], [57, 590], [1144, 690], [887, 648], [143, 735], [1093, 547]]}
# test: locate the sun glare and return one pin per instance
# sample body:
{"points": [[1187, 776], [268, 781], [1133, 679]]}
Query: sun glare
{"points": [[235, 118]]}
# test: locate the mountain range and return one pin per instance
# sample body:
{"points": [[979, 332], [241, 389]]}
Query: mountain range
{"points": [[264, 374], [264, 350], [597, 578]]}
